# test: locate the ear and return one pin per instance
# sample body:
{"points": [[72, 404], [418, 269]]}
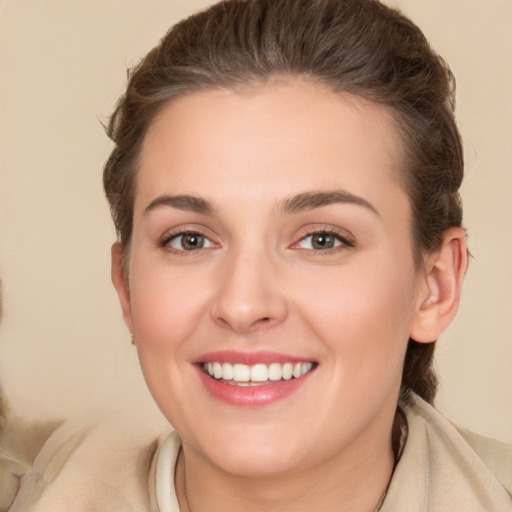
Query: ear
{"points": [[440, 286], [120, 281]]}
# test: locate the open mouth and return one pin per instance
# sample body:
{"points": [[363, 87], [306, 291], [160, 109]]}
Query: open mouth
{"points": [[239, 374]]}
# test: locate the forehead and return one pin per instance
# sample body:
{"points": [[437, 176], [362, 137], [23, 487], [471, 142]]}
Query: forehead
{"points": [[267, 141]]}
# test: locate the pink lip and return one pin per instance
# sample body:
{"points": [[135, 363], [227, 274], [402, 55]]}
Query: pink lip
{"points": [[250, 396], [249, 358]]}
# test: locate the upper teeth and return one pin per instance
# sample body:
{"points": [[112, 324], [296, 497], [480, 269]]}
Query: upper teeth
{"points": [[256, 373]]}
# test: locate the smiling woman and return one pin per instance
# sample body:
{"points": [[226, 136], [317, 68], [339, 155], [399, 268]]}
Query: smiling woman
{"points": [[263, 288], [284, 185]]}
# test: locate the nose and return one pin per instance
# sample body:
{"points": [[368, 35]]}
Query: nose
{"points": [[249, 296]]}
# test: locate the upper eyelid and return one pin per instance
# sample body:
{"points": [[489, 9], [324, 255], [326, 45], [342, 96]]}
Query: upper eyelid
{"points": [[342, 234], [171, 234], [323, 232], [195, 229], [344, 243], [345, 236]]}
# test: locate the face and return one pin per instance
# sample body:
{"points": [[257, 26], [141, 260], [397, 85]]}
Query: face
{"points": [[272, 287]]}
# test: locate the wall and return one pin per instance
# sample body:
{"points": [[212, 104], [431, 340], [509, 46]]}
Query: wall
{"points": [[64, 348]]}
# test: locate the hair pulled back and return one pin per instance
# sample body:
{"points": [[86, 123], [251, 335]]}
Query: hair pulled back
{"points": [[359, 47]]}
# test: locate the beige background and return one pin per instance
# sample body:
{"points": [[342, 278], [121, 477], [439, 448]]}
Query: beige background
{"points": [[64, 349]]}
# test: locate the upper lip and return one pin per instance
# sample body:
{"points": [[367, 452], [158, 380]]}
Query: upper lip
{"points": [[250, 358]]}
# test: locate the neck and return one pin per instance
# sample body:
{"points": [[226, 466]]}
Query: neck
{"points": [[353, 480]]}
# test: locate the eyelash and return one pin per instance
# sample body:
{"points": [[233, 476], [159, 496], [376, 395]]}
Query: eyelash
{"points": [[164, 243], [345, 242]]}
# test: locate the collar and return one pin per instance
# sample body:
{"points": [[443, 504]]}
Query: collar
{"points": [[437, 471]]}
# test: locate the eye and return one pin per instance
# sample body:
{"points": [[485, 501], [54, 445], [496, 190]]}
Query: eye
{"points": [[323, 241], [188, 242]]}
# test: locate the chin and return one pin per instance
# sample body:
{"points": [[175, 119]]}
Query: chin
{"points": [[243, 449], [258, 461]]}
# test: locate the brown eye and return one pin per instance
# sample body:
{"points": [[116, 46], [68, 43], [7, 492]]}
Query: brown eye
{"points": [[189, 242]]}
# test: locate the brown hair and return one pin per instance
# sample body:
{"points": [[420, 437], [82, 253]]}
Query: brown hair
{"points": [[353, 46]]}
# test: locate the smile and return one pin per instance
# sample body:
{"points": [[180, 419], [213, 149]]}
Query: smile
{"points": [[253, 379], [256, 375]]}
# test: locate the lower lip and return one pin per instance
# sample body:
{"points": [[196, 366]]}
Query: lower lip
{"points": [[251, 396]]}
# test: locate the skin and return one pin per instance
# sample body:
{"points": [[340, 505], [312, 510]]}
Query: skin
{"points": [[258, 284]]}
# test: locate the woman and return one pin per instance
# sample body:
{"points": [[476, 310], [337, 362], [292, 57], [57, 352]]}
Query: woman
{"points": [[284, 184]]}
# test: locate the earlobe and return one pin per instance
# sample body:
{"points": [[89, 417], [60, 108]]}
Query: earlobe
{"points": [[120, 281], [440, 287]]}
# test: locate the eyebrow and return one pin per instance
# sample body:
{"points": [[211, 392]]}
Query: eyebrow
{"points": [[295, 204], [181, 202], [316, 199]]}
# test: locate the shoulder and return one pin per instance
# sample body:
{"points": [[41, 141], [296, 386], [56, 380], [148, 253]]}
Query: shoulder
{"points": [[440, 471], [496, 455], [101, 466]]}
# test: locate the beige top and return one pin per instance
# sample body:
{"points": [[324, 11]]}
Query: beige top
{"points": [[96, 470]]}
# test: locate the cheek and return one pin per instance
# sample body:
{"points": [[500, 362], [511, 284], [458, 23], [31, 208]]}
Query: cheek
{"points": [[363, 316], [167, 306]]}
